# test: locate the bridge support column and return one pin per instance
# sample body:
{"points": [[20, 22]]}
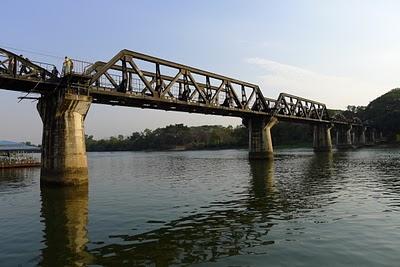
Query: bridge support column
{"points": [[64, 159], [260, 140], [373, 136], [370, 136], [322, 141], [344, 137], [353, 137], [380, 138], [359, 136]]}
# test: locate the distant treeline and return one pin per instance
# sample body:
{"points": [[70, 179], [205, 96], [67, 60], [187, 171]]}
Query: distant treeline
{"points": [[382, 113], [179, 136]]}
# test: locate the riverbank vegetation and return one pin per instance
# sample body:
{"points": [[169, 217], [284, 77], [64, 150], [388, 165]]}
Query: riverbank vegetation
{"points": [[181, 137], [383, 113]]}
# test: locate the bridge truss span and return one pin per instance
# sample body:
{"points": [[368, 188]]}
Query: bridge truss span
{"points": [[155, 80], [22, 74], [139, 80], [290, 107]]}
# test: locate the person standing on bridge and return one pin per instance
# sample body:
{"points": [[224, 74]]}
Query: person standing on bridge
{"points": [[68, 65], [12, 66], [64, 67], [54, 71], [23, 69]]}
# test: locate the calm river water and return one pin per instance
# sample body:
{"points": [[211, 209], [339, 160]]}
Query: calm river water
{"points": [[209, 208]]}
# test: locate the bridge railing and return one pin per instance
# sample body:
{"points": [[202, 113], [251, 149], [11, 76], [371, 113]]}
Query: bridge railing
{"points": [[43, 65], [80, 66]]}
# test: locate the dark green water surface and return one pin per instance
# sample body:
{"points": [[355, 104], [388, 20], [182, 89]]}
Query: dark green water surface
{"points": [[209, 208]]}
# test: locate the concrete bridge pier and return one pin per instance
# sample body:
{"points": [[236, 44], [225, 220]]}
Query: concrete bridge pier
{"points": [[322, 141], [344, 137], [380, 137], [358, 136], [362, 136], [64, 159], [353, 137], [370, 136], [260, 140]]}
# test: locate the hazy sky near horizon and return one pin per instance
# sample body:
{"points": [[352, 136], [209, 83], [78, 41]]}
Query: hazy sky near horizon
{"points": [[335, 52]]}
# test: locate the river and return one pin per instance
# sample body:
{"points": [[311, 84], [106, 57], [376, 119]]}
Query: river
{"points": [[208, 208]]}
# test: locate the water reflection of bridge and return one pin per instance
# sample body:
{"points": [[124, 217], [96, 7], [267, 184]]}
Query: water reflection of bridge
{"points": [[65, 214], [240, 226]]}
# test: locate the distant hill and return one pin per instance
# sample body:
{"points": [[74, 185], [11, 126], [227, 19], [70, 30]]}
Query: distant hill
{"points": [[384, 113]]}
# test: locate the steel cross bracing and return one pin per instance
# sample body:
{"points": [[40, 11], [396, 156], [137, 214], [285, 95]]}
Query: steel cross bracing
{"points": [[20, 74], [168, 85], [135, 79]]}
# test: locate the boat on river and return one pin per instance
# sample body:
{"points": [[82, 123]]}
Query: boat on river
{"points": [[18, 155]]}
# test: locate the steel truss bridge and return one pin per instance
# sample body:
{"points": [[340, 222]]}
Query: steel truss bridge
{"points": [[138, 80]]}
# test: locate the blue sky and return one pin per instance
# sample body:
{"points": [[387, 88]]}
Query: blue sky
{"points": [[336, 52]]}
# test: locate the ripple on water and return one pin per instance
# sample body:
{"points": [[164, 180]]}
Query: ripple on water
{"points": [[209, 208]]}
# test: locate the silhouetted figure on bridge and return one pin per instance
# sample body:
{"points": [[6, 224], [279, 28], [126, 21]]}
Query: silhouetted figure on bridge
{"points": [[122, 86], [42, 75], [12, 66], [227, 103], [54, 71], [23, 69], [185, 95]]}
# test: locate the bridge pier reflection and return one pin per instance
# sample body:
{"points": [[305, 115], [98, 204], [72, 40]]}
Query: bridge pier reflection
{"points": [[262, 172], [65, 216]]}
